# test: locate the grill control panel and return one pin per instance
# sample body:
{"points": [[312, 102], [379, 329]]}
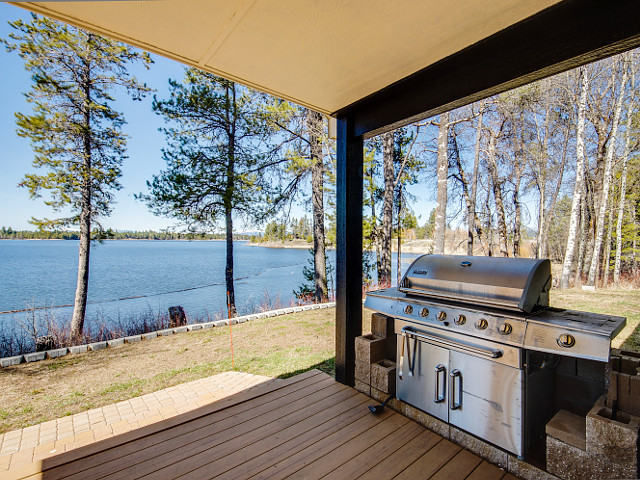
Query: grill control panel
{"points": [[478, 324]]}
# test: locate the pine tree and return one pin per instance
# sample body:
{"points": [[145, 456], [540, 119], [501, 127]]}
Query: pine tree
{"points": [[75, 133], [218, 157]]}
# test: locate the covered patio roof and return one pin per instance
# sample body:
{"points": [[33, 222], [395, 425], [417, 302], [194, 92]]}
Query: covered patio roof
{"points": [[373, 64]]}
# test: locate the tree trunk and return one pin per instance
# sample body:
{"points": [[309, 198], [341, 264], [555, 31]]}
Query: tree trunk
{"points": [[489, 225], [497, 195], [387, 209], [471, 213], [576, 203], [399, 260], [517, 221], [443, 173], [231, 111], [556, 192], [606, 261], [606, 180], [84, 247], [623, 190], [314, 123], [541, 182]]}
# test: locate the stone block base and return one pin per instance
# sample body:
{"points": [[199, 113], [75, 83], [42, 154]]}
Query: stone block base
{"points": [[571, 463], [383, 376], [369, 349], [614, 440]]}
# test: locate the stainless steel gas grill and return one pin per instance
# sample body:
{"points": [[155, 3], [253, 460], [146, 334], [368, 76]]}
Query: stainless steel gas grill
{"points": [[478, 344]]}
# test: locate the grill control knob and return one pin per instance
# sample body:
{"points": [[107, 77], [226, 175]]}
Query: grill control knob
{"points": [[408, 309], [460, 320], [424, 312], [482, 324], [442, 316], [566, 341], [505, 329]]}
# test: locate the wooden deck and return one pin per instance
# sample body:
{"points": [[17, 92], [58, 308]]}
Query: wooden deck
{"points": [[305, 427]]}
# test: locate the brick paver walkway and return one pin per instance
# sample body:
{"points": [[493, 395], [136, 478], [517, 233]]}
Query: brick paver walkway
{"points": [[63, 434]]}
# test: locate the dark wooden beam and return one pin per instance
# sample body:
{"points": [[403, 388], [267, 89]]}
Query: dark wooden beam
{"points": [[348, 249], [561, 37]]}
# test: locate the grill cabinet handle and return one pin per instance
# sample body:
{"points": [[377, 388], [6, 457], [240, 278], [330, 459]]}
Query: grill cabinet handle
{"points": [[453, 405], [401, 363], [439, 397], [412, 364], [444, 342]]}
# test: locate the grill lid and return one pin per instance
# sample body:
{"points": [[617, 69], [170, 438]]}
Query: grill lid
{"points": [[520, 284]]}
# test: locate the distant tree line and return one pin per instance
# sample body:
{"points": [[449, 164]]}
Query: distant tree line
{"points": [[7, 233], [283, 230]]}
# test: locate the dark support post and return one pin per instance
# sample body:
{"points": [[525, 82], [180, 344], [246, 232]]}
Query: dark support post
{"points": [[348, 249]]}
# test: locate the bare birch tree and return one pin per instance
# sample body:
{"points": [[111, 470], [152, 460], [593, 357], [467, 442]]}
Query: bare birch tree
{"points": [[606, 180], [579, 182]]}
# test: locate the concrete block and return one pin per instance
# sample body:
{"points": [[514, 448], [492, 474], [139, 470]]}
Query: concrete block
{"points": [[369, 349], [298, 309], [363, 387], [116, 342], [262, 315], [481, 448], [315, 306], [97, 346], [363, 372], [629, 365], [571, 463], [272, 314], [182, 329], [132, 339], [289, 310], [521, 469], [382, 325], [241, 319], [195, 326], [568, 427], [35, 357], [58, 352], [378, 395], [166, 332], [614, 440], [432, 423], [10, 361], [221, 323], [251, 318], [627, 392], [149, 336], [383, 376], [80, 348], [307, 307], [207, 325]]}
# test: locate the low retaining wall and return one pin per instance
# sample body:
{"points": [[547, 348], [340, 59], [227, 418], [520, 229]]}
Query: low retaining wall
{"points": [[116, 342]]}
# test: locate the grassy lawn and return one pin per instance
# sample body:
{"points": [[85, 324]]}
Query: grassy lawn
{"points": [[278, 347]]}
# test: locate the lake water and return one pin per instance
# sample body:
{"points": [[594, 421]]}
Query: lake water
{"points": [[129, 278]]}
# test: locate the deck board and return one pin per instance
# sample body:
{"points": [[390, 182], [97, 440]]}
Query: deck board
{"points": [[306, 427]]}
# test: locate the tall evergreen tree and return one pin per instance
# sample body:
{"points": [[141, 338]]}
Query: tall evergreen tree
{"points": [[75, 133], [217, 158]]}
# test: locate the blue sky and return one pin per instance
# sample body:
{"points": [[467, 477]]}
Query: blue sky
{"points": [[144, 146]]}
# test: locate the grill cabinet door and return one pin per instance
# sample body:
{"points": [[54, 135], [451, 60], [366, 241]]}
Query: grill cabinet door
{"points": [[422, 375], [485, 399]]}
